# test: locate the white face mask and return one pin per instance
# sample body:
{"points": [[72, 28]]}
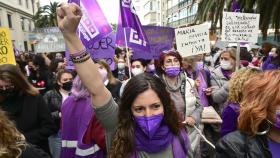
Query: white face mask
{"points": [[226, 65], [137, 71], [121, 66], [208, 58]]}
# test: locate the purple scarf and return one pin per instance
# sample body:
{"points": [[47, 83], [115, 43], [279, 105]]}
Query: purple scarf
{"points": [[226, 73], [201, 88], [160, 141]]}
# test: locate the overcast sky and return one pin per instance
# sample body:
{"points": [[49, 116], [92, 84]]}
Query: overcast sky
{"points": [[109, 7]]}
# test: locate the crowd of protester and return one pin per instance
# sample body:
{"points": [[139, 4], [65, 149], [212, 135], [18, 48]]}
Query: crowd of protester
{"points": [[142, 109]]}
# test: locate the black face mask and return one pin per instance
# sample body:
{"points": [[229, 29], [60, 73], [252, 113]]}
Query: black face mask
{"points": [[67, 85], [8, 93]]}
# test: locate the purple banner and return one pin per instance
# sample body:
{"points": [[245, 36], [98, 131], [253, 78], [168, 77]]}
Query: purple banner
{"points": [[160, 39], [102, 49], [135, 34], [93, 25]]}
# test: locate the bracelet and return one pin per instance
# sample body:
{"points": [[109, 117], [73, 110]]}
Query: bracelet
{"points": [[84, 56], [79, 53], [81, 60]]}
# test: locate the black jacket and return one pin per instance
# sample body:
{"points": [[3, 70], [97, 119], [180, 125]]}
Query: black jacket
{"points": [[240, 145], [32, 151], [115, 90], [32, 118], [117, 75]]}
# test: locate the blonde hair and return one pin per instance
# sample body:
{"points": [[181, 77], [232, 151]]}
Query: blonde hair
{"points": [[11, 140], [236, 83], [231, 51]]}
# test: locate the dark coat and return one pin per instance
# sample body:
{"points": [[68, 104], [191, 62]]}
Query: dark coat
{"points": [[32, 118], [119, 77], [115, 90], [32, 151], [240, 145]]}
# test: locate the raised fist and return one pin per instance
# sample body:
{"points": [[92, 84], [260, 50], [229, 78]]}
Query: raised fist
{"points": [[68, 17]]}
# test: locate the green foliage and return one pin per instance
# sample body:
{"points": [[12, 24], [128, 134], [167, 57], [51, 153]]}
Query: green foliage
{"points": [[46, 16], [212, 10]]}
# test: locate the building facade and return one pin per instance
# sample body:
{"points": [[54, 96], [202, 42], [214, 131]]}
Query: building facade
{"points": [[178, 13], [18, 16]]}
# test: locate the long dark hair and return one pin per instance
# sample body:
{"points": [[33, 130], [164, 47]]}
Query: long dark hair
{"points": [[123, 143], [12, 73]]}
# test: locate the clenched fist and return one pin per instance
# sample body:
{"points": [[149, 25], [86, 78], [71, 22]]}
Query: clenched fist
{"points": [[68, 18]]}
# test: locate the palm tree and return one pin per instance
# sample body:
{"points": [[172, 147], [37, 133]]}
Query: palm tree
{"points": [[46, 16], [212, 10]]}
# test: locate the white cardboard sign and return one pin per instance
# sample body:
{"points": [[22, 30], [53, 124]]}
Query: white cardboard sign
{"points": [[240, 27], [193, 40]]}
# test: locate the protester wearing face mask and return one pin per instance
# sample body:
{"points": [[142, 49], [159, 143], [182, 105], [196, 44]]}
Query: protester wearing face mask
{"points": [[273, 60], [220, 78], [25, 106], [54, 99], [121, 72], [184, 94], [151, 68], [111, 83], [258, 122], [145, 124], [138, 66]]}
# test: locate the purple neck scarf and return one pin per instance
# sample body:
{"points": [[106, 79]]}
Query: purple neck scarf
{"points": [[161, 140], [226, 73]]}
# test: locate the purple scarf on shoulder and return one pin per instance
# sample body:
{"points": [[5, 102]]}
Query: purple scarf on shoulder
{"points": [[160, 141]]}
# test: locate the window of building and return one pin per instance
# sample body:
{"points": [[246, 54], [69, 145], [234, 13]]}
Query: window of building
{"points": [[9, 16], [22, 23], [27, 3], [19, 2], [29, 25]]}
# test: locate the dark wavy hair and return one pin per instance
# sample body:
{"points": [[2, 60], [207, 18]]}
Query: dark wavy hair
{"points": [[123, 143], [163, 55]]}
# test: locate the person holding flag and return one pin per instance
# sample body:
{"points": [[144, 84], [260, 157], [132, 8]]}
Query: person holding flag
{"points": [[146, 123]]}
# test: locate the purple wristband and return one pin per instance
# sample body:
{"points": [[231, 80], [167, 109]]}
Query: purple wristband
{"points": [[79, 53]]}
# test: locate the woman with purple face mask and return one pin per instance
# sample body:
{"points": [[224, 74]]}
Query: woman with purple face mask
{"points": [[184, 94], [145, 125], [258, 133]]}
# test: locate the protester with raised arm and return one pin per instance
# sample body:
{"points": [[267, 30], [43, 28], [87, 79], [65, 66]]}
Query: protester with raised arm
{"points": [[146, 122]]}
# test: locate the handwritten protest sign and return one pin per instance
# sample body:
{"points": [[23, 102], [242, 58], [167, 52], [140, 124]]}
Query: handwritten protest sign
{"points": [[160, 38], [6, 47], [240, 27], [193, 40], [102, 49]]}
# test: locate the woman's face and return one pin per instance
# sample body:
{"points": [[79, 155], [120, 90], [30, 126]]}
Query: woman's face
{"points": [[226, 56], [66, 77], [170, 61], [147, 104], [273, 51]]}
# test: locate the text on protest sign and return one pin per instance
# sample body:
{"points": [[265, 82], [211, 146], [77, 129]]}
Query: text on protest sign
{"points": [[193, 40], [240, 27], [6, 47], [102, 49]]}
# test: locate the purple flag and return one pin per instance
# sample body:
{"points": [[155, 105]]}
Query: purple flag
{"points": [[93, 25], [102, 49], [235, 6], [135, 34]]}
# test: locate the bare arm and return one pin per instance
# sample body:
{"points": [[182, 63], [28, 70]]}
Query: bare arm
{"points": [[68, 16]]}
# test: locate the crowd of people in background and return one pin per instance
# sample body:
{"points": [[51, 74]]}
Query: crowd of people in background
{"points": [[145, 108]]}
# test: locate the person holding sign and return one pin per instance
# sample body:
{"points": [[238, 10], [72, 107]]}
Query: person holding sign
{"points": [[221, 76], [258, 133], [146, 123]]}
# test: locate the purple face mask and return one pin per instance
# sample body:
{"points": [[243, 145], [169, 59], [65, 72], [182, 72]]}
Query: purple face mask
{"points": [[149, 124], [172, 71], [151, 68]]}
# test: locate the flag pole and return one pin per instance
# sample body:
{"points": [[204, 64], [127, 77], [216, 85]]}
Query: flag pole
{"points": [[127, 53]]}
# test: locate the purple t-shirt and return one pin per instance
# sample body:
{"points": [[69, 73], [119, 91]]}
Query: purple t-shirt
{"points": [[274, 148]]}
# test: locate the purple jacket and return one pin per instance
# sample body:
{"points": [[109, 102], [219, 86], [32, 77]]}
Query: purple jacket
{"points": [[267, 65], [229, 117]]}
